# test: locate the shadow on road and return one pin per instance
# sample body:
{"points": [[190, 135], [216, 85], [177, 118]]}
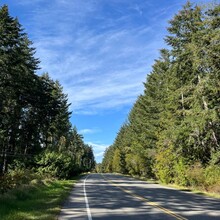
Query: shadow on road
{"points": [[109, 201], [190, 205]]}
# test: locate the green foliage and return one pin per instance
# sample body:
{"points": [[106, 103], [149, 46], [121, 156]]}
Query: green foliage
{"points": [[212, 175], [108, 160], [164, 167], [16, 178], [118, 162], [56, 164], [6, 183], [17, 87], [196, 175], [173, 129], [34, 113], [180, 172], [42, 200], [212, 171], [136, 165]]}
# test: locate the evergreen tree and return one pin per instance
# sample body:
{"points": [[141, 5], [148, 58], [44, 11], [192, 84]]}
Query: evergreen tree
{"points": [[34, 111], [174, 127], [17, 66], [107, 161]]}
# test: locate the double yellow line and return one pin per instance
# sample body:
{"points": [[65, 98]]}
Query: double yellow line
{"points": [[154, 204]]}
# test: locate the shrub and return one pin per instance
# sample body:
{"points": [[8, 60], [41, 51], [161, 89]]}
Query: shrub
{"points": [[6, 183], [212, 175], [56, 165], [15, 178], [164, 165], [132, 164], [196, 175], [180, 173]]}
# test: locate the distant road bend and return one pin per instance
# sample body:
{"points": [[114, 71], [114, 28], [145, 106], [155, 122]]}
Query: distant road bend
{"points": [[115, 197]]}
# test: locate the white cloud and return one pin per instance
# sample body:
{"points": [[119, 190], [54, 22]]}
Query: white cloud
{"points": [[100, 51], [108, 77], [28, 2], [100, 66], [138, 9], [89, 131]]}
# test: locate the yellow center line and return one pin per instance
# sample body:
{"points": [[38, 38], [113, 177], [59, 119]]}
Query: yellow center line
{"points": [[154, 204]]}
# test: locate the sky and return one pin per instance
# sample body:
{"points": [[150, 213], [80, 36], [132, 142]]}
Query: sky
{"points": [[100, 51]]}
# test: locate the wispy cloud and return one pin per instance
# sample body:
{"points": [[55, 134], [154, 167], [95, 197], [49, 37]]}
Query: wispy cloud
{"points": [[100, 60], [28, 2], [98, 74], [99, 50], [138, 9], [89, 131]]}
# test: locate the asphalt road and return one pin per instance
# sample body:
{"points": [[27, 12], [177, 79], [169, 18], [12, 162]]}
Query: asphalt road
{"points": [[115, 197]]}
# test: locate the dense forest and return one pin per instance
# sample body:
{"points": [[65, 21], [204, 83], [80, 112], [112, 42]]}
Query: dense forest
{"points": [[172, 132], [35, 129]]}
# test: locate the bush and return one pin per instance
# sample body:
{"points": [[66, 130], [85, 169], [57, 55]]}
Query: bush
{"points": [[6, 183], [212, 175], [15, 178], [56, 165], [180, 173], [132, 164], [196, 175], [212, 172], [164, 166]]}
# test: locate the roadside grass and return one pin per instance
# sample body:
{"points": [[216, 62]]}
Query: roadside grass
{"points": [[195, 190], [191, 189], [41, 200]]}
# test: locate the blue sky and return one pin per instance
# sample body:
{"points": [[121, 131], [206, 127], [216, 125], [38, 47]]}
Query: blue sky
{"points": [[101, 52]]}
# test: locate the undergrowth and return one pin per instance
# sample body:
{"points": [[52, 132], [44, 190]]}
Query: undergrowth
{"points": [[38, 200]]}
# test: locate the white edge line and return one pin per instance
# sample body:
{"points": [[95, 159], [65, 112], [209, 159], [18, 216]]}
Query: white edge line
{"points": [[86, 200]]}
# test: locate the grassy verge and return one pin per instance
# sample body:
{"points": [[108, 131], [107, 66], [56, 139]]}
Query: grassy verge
{"points": [[41, 201], [195, 190]]}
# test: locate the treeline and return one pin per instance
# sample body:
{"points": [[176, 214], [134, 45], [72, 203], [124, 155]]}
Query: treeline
{"points": [[35, 130], [173, 130]]}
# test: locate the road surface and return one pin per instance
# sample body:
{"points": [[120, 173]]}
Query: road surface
{"points": [[115, 197]]}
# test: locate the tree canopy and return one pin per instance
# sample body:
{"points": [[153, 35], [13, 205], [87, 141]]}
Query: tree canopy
{"points": [[175, 124], [35, 127]]}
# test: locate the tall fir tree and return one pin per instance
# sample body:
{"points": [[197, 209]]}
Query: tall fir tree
{"points": [[18, 65]]}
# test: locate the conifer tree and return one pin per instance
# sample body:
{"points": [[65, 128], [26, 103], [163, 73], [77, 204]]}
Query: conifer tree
{"points": [[175, 123], [17, 76], [34, 111]]}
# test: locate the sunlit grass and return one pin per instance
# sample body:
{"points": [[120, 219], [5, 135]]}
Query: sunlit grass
{"points": [[38, 201], [195, 190]]}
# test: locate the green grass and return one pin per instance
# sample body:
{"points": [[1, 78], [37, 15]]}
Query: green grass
{"points": [[195, 190], [40, 201]]}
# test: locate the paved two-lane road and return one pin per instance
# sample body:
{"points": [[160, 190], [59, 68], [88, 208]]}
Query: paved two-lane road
{"points": [[115, 197]]}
